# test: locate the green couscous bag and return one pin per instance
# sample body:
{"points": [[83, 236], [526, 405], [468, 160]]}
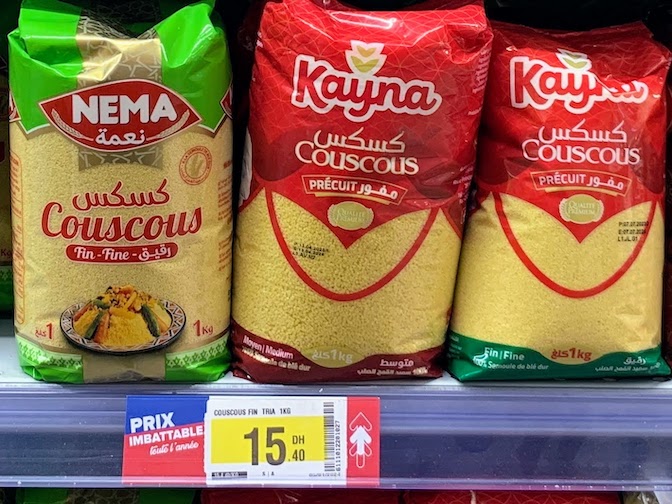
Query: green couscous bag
{"points": [[121, 160], [117, 496]]}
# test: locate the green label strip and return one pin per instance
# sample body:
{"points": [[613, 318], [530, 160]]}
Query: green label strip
{"points": [[42, 364], [204, 364], [473, 359]]}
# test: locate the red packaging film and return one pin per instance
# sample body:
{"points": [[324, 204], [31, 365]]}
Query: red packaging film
{"points": [[360, 152], [315, 496], [490, 497]]}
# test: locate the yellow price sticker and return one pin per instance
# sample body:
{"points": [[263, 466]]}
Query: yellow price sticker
{"points": [[288, 439], [264, 440]]}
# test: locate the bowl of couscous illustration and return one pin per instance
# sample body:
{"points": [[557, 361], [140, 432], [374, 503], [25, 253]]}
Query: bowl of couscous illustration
{"points": [[123, 320]]}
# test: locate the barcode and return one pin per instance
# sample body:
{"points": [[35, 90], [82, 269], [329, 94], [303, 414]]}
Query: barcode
{"points": [[329, 438], [229, 475]]}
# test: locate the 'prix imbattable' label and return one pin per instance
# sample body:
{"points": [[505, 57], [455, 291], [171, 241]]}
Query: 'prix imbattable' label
{"points": [[248, 441], [164, 439]]}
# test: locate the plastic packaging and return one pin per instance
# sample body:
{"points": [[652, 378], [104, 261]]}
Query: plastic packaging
{"points": [[317, 496], [90, 496], [122, 186], [360, 153], [511, 497], [561, 269]]}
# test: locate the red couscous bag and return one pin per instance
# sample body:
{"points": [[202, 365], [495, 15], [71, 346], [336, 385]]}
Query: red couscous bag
{"points": [[311, 496], [562, 264], [360, 152], [478, 497]]}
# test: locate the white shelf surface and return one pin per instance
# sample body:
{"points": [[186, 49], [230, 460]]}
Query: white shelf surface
{"points": [[436, 434]]}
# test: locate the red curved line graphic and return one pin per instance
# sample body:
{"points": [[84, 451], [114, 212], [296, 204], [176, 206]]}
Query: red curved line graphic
{"points": [[352, 296], [571, 293]]}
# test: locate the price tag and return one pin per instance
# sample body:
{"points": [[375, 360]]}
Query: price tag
{"points": [[249, 441], [293, 440]]}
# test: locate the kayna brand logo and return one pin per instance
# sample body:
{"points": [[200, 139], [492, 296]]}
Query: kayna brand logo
{"points": [[120, 116], [538, 84], [360, 92]]}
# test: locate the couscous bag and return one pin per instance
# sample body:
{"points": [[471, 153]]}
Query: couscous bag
{"points": [[561, 269], [121, 184], [360, 153], [116, 496], [510, 497], [300, 496]]}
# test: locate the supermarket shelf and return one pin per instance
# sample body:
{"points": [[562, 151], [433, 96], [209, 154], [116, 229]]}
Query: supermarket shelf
{"points": [[437, 434]]}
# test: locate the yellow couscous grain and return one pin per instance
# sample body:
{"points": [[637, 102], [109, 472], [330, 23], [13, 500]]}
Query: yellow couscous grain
{"points": [[126, 332], [493, 280], [406, 316]]}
